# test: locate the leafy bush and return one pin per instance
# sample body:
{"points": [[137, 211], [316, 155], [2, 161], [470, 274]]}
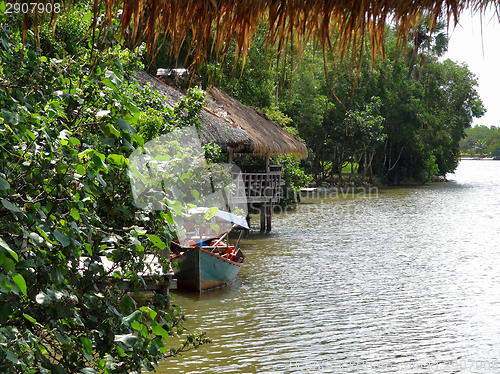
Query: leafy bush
{"points": [[67, 218], [295, 178]]}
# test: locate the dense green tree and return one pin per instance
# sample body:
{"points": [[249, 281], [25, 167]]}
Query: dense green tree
{"points": [[366, 129], [481, 140], [451, 103], [494, 148], [492, 137], [423, 120], [479, 132], [480, 148]]}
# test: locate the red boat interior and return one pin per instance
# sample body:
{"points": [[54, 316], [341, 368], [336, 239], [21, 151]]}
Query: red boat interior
{"points": [[215, 246]]}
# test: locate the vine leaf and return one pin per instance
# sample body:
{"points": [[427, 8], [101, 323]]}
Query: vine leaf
{"points": [[4, 184], [11, 207], [5, 246], [20, 283], [61, 238]]}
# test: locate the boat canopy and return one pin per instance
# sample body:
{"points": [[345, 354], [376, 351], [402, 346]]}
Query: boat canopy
{"points": [[226, 216]]}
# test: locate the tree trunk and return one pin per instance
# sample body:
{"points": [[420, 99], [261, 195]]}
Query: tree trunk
{"points": [[352, 167], [361, 164], [412, 63], [365, 166], [417, 42], [340, 164], [371, 169]]}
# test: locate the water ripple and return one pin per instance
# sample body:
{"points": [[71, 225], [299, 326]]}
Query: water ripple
{"points": [[385, 284]]}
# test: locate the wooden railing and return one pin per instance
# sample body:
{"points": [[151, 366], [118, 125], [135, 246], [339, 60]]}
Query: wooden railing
{"points": [[259, 186]]}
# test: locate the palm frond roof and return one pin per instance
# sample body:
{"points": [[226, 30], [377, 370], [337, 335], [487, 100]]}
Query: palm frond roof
{"points": [[335, 24], [233, 125]]}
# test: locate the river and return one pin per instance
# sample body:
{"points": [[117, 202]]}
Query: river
{"points": [[400, 280]]}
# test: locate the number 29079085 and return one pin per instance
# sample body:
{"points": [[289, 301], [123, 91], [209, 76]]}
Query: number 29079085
{"points": [[32, 7]]}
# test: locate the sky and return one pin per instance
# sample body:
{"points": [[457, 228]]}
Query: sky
{"points": [[482, 54]]}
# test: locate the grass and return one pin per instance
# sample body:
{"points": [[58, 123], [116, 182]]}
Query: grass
{"points": [[345, 169]]}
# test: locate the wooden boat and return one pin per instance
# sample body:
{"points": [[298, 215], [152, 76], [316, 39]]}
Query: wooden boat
{"points": [[203, 267], [207, 261]]}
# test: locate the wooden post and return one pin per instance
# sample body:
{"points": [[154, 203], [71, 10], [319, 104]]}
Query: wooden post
{"points": [[248, 222], [263, 217], [236, 246], [165, 290], [269, 213], [230, 156], [268, 188]]}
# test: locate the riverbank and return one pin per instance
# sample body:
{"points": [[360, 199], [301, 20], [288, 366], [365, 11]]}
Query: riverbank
{"points": [[346, 186], [480, 158]]}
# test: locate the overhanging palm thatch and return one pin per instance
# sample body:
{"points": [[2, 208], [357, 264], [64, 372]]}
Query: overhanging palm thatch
{"points": [[214, 128], [298, 20], [267, 138]]}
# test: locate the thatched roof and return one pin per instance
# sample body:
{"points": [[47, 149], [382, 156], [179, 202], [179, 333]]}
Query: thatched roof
{"points": [[335, 24], [267, 138], [214, 128], [229, 123]]}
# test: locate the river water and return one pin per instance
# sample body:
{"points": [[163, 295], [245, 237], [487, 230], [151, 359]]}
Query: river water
{"points": [[400, 280]]}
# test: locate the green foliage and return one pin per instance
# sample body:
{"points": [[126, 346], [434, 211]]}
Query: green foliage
{"points": [[481, 141], [479, 132], [252, 85], [417, 120], [156, 118], [432, 167], [363, 134], [213, 153], [492, 137], [494, 148], [67, 220], [295, 178], [285, 122], [428, 37]]}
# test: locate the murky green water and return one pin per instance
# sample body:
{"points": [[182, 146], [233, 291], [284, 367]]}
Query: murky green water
{"points": [[406, 281]]}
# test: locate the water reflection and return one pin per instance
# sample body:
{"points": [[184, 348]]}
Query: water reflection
{"points": [[404, 281]]}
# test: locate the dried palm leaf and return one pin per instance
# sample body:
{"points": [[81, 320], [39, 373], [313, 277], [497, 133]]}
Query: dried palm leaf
{"points": [[216, 22]]}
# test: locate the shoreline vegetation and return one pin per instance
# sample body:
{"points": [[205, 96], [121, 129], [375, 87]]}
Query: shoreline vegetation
{"points": [[355, 181], [478, 158], [480, 142], [401, 123]]}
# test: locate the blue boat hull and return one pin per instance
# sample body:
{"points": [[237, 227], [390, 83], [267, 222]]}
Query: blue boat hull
{"points": [[199, 270]]}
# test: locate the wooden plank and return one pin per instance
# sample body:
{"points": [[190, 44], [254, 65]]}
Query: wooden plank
{"points": [[269, 214], [263, 217]]}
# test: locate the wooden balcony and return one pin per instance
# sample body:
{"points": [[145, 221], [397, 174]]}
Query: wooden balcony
{"points": [[260, 187]]}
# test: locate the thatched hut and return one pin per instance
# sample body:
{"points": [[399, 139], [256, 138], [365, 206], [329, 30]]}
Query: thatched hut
{"points": [[239, 128], [215, 128], [233, 126], [267, 138]]}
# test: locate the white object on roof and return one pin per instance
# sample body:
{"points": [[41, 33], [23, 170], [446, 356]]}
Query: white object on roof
{"points": [[179, 71], [230, 217]]}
